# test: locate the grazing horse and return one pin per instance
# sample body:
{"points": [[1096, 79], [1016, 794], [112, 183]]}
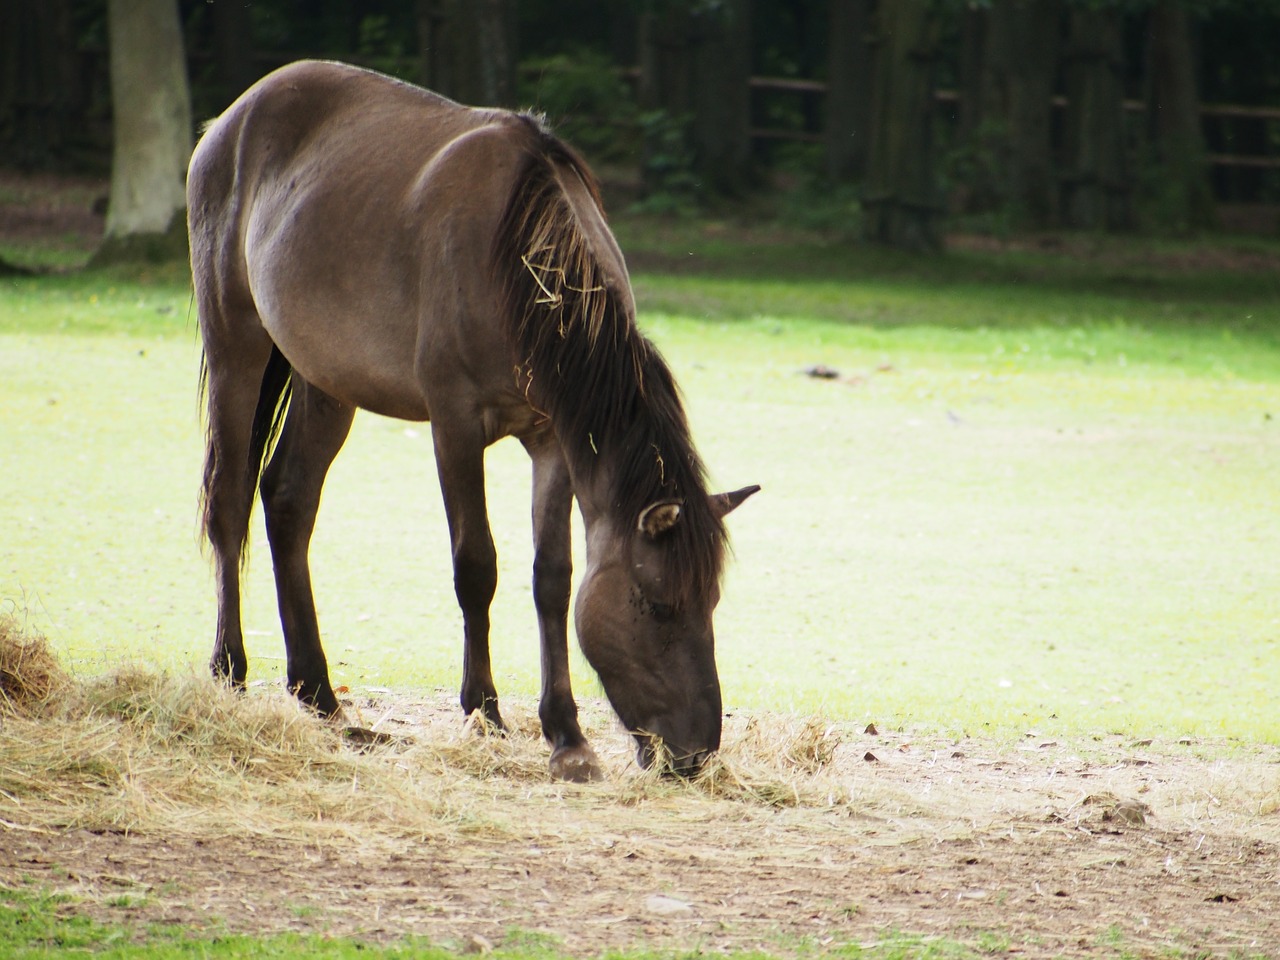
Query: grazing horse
{"points": [[358, 242]]}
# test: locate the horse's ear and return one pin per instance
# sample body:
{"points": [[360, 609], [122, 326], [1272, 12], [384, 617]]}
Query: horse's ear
{"points": [[657, 518], [725, 503]]}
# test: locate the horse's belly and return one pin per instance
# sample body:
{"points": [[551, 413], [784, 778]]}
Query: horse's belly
{"points": [[390, 399], [360, 363], [381, 372]]}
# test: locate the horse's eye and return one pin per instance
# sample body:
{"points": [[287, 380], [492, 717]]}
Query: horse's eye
{"points": [[663, 612]]}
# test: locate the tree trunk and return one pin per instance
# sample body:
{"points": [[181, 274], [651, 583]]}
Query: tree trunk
{"points": [[232, 51], [901, 193], [721, 97], [850, 70], [1095, 185], [1033, 29], [979, 164], [39, 115], [665, 54], [151, 121], [468, 50], [1174, 115], [695, 71], [430, 28], [1008, 68], [973, 66]]}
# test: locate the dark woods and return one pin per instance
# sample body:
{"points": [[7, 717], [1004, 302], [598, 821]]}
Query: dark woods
{"points": [[854, 116]]}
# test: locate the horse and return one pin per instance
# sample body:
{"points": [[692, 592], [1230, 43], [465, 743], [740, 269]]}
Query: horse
{"points": [[361, 243]]}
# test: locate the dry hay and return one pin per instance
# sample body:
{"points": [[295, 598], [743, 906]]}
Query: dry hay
{"points": [[139, 749], [144, 750], [768, 761], [30, 675], [446, 829]]}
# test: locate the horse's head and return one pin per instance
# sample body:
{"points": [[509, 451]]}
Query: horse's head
{"points": [[650, 638]]}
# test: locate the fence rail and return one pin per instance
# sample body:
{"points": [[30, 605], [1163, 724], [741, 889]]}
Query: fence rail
{"points": [[1215, 110]]}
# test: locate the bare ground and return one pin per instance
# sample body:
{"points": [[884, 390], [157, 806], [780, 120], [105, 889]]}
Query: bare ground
{"points": [[52, 211], [1041, 848]]}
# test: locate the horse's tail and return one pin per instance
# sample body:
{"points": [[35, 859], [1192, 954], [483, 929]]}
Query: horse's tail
{"points": [[268, 417]]}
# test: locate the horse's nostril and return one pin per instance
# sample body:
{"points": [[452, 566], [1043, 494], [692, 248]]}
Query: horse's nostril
{"points": [[695, 762], [646, 753], [670, 761], [689, 765]]}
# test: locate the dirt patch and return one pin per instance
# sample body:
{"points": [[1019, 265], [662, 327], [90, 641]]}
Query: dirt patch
{"points": [[52, 211], [1223, 255], [1043, 847]]}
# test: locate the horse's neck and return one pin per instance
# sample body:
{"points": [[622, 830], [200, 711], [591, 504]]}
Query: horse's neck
{"points": [[599, 517], [592, 493]]}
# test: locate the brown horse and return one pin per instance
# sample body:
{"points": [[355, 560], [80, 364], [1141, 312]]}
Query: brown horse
{"points": [[360, 242]]}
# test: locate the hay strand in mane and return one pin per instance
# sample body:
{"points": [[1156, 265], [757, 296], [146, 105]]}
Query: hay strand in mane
{"points": [[610, 396]]}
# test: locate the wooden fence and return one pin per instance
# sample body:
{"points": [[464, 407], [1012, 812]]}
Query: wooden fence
{"points": [[1209, 111]]}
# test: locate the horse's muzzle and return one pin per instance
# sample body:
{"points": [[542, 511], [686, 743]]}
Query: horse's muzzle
{"points": [[651, 753]]}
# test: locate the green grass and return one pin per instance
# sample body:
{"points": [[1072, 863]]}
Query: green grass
{"points": [[36, 925], [1041, 496]]}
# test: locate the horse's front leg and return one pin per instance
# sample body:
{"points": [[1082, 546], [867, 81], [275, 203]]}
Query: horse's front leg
{"points": [[571, 757], [459, 447]]}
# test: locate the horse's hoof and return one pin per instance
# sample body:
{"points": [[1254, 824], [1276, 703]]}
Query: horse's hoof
{"points": [[576, 765], [487, 723]]}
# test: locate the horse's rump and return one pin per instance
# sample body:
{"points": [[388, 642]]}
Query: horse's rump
{"points": [[352, 213]]}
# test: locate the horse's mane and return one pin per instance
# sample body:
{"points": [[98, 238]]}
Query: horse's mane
{"points": [[610, 396]]}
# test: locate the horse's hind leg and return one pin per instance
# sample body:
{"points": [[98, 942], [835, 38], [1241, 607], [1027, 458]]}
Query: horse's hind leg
{"points": [[235, 383], [459, 446], [314, 430]]}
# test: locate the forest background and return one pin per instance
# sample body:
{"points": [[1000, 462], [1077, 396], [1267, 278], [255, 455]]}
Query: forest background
{"points": [[889, 121]]}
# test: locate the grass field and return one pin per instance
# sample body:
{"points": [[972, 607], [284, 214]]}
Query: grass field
{"points": [[37, 926], [1040, 493]]}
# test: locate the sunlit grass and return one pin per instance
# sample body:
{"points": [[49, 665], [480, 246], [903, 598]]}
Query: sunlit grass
{"points": [[37, 924], [1026, 502]]}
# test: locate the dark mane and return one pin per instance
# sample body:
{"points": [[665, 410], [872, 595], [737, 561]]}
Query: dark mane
{"points": [[580, 359]]}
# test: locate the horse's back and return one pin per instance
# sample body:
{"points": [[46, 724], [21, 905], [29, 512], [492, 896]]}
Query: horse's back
{"points": [[350, 208], [313, 106], [345, 142]]}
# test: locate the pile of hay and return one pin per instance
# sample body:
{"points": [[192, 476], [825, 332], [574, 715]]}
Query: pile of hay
{"points": [[771, 761], [139, 749], [30, 675], [142, 750]]}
